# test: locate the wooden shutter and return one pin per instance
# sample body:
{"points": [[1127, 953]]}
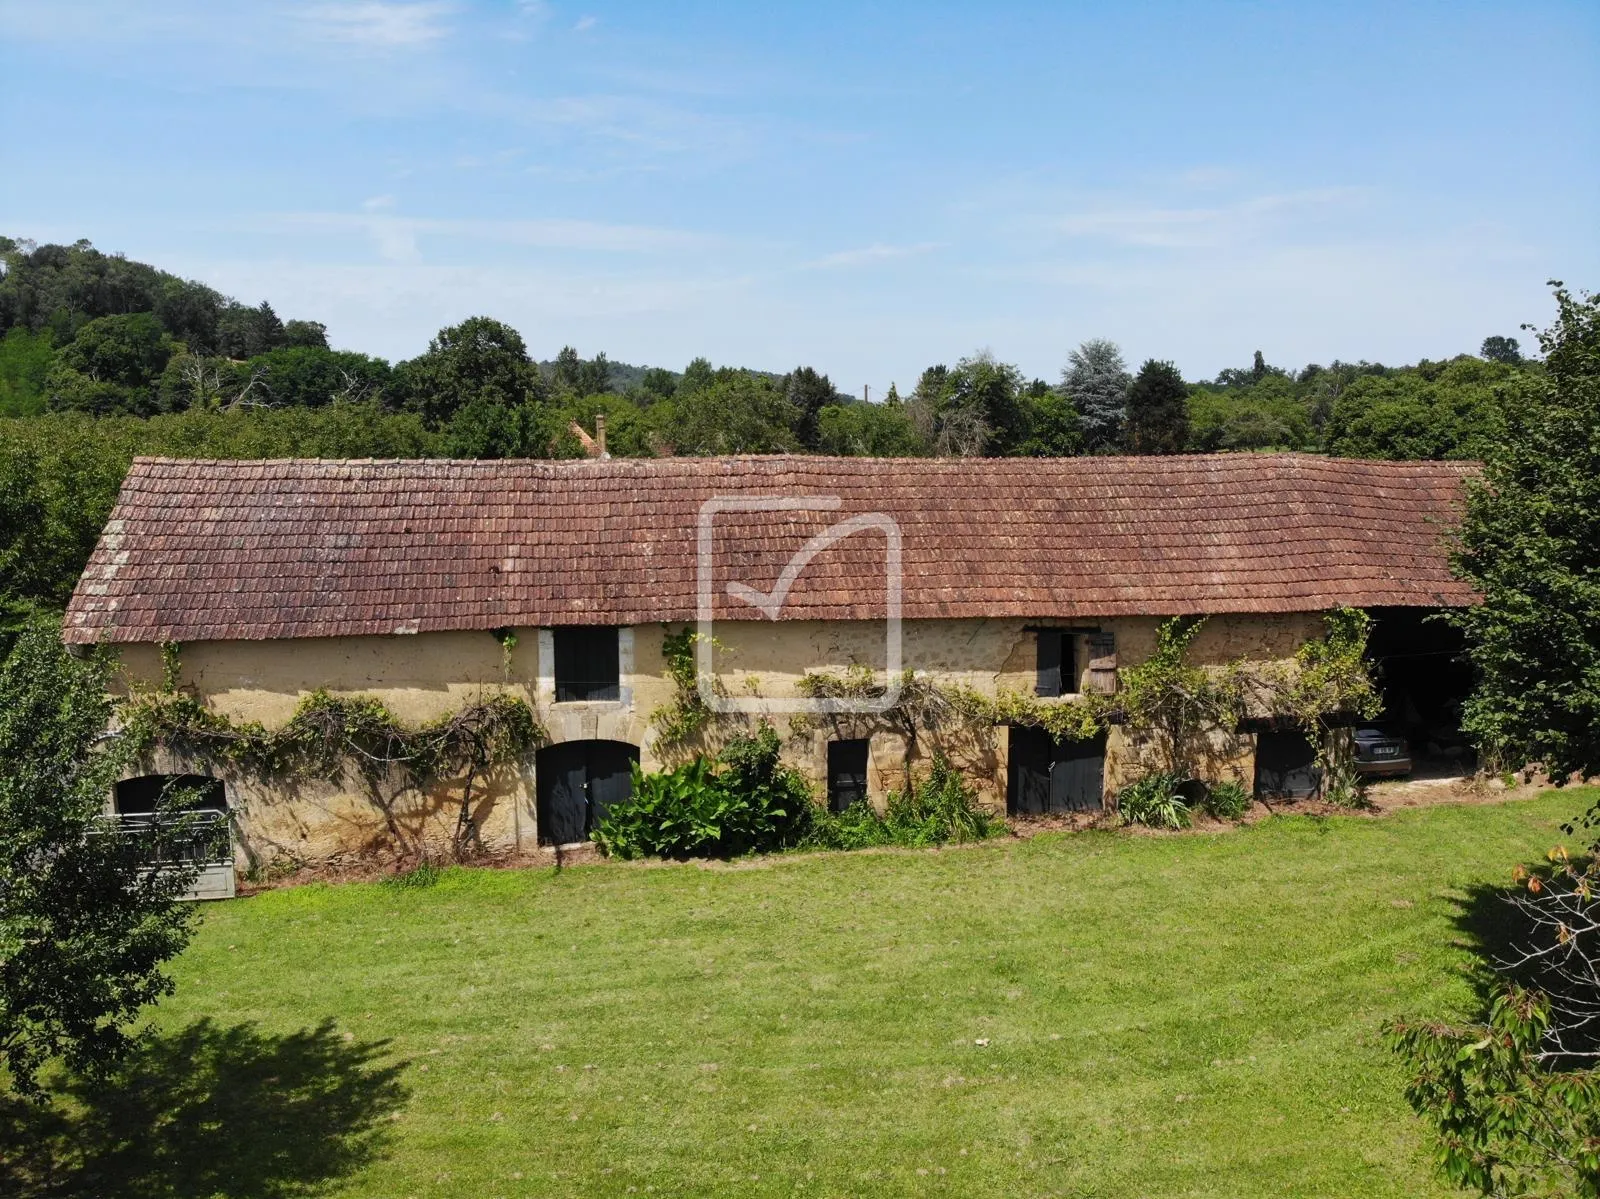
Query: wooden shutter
{"points": [[1050, 643], [1102, 672]]}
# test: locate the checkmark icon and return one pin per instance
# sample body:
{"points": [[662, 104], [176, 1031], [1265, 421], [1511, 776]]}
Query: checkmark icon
{"points": [[770, 603]]}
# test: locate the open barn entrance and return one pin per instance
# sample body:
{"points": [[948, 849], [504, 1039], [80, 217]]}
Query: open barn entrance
{"points": [[1423, 672], [577, 782]]}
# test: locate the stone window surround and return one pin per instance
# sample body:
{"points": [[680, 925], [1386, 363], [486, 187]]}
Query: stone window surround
{"points": [[546, 684]]}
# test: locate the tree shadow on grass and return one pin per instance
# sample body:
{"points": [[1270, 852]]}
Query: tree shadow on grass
{"points": [[209, 1111], [1511, 947]]}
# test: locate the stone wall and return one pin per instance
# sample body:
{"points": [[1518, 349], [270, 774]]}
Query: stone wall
{"points": [[424, 676]]}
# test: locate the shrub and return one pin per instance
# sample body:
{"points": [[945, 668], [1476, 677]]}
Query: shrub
{"points": [[1227, 800], [1154, 801], [743, 802], [937, 809]]}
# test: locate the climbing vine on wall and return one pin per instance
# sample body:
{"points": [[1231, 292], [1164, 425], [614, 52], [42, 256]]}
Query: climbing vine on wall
{"points": [[1323, 691], [1167, 705], [328, 734], [686, 715]]}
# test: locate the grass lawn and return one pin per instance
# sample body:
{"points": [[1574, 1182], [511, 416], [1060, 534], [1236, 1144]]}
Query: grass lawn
{"points": [[1077, 1014]]}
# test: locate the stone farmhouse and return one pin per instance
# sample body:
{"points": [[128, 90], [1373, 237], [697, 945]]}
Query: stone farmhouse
{"points": [[428, 583]]}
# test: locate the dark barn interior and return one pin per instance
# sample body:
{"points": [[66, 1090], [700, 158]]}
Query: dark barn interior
{"points": [[1422, 670]]}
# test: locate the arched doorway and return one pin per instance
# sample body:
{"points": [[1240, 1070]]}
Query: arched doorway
{"points": [[576, 782]]}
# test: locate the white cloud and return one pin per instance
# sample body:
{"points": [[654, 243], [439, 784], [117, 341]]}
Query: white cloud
{"points": [[876, 252], [378, 24], [396, 236], [584, 24], [1177, 228]]}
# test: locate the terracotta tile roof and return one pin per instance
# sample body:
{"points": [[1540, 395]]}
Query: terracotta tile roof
{"points": [[206, 550]]}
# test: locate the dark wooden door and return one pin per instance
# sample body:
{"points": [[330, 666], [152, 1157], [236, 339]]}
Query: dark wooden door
{"points": [[1077, 776], [847, 773], [1286, 765], [1046, 775], [610, 777], [577, 781]]}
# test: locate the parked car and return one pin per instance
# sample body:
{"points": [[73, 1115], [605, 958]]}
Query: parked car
{"points": [[1381, 754]]}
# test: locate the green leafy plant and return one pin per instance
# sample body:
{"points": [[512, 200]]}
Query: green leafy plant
{"points": [[1154, 801], [419, 877], [1168, 705], [1507, 1123], [939, 807], [86, 925], [936, 809], [1228, 800], [1527, 543], [744, 801], [687, 714]]}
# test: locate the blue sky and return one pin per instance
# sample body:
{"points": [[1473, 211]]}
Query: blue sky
{"points": [[868, 189]]}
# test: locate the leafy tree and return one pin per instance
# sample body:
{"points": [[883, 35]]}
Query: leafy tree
{"points": [[127, 350], [1158, 410], [481, 428], [1528, 544], [245, 332], [580, 378], [630, 429], [1055, 430], [1265, 416], [1096, 381], [111, 365], [305, 335], [201, 381], [480, 359], [697, 376], [1501, 349], [1434, 410], [311, 376], [25, 361], [740, 413], [810, 393], [868, 430], [190, 312], [973, 410], [85, 927], [657, 384]]}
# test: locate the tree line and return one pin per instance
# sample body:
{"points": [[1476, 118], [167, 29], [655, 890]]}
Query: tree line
{"points": [[103, 358], [92, 333]]}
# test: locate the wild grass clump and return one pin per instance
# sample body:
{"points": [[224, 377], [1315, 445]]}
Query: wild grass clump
{"points": [[935, 810], [420, 876], [1154, 801], [1228, 800]]}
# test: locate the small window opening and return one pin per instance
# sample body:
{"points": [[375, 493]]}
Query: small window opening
{"points": [[1058, 665], [145, 794], [847, 773], [586, 666]]}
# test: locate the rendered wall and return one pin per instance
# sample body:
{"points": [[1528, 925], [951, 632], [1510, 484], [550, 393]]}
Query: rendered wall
{"points": [[424, 676]]}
